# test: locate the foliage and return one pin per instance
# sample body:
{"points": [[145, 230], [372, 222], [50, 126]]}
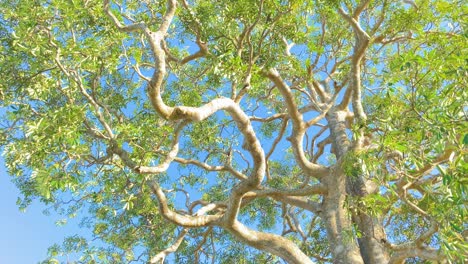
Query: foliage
{"points": [[83, 131]]}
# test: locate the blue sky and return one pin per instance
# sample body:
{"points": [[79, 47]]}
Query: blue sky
{"points": [[25, 236]]}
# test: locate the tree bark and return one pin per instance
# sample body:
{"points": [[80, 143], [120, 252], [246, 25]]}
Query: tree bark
{"points": [[337, 220], [274, 244], [370, 251], [372, 232]]}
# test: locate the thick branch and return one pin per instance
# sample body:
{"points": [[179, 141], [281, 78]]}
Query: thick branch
{"points": [[291, 105], [179, 219], [300, 202], [362, 42], [196, 114], [363, 5], [423, 253], [299, 126], [271, 243]]}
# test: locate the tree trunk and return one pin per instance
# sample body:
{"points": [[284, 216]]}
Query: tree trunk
{"points": [[372, 232], [337, 220], [370, 251]]}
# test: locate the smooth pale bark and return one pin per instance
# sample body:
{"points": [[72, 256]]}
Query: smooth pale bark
{"points": [[372, 251], [337, 222], [299, 127], [337, 219], [274, 244], [370, 248], [336, 185]]}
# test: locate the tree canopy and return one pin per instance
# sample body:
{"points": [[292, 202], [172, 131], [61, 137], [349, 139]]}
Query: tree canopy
{"points": [[248, 131]]}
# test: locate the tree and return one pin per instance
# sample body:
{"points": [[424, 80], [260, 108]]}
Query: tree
{"points": [[241, 131]]}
